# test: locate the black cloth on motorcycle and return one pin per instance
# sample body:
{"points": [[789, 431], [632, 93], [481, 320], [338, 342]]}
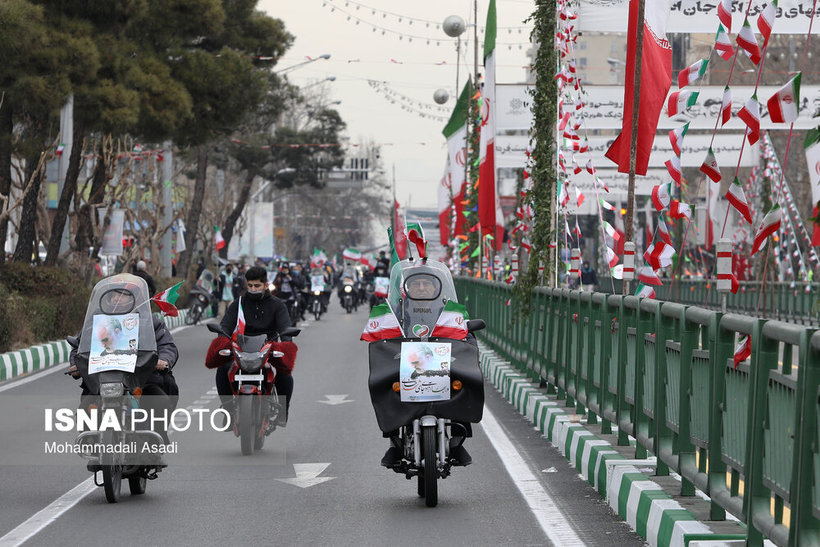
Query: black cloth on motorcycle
{"points": [[265, 315], [125, 297], [465, 405]]}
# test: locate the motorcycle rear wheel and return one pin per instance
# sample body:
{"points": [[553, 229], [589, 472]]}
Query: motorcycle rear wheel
{"points": [[137, 485], [112, 482], [430, 470], [246, 429]]}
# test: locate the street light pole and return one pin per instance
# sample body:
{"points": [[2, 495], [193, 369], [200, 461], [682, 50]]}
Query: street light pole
{"points": [[303, 63]]}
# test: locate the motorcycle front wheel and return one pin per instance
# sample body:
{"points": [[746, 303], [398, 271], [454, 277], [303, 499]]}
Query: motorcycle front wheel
{"points": [[430, 470], [137, 485], [246, 429]]}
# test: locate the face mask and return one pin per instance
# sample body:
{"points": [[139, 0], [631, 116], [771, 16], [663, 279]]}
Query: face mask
{"points": [[255, 295]]}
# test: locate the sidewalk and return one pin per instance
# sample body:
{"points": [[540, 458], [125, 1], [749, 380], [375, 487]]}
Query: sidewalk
{"points": [[649, 504]]}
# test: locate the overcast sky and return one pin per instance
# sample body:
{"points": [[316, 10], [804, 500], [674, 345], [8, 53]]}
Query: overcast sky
{"points": [[398, 56]]}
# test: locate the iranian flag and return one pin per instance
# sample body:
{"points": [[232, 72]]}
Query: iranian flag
{"points": [[611, 258], [692, 73], [452, 322], [725, 14], [659, 255], [660, 196], [811, 146], [678, 209], [167, 299], [656, 68], [676, 137], [399, 238], [352, 254], [750, 114], [381, 324], [680, 101], [240, 321], [489, 206], [415, 235], [766, 21], [663, 231], [456, 134], [743, 350], [784, 106], [726, 106], [647, 276], [748, 43], [644, 291], [737, 197], [710, 167], [723, 44], [770, 224], [673, 166], [219, 241]]}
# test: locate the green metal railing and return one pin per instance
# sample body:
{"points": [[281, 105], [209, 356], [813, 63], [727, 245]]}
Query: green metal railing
{"points": [[664, 374], [789, 302]]}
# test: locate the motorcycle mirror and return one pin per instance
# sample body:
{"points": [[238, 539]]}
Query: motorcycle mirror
{"points": [[216, 328], [475, 325], [291, 331], [73, 341]]}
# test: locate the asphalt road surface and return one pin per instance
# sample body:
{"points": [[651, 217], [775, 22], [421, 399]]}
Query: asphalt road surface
{"points": [[316, 482]]}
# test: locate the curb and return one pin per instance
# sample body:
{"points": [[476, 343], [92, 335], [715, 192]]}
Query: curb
{"points": [[42, 356], [642, 503]]}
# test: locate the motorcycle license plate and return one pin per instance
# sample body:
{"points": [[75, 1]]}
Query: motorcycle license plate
{"points": [[249, 377]]}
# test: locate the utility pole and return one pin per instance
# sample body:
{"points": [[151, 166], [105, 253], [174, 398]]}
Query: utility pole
{"points": [[167, 207]]}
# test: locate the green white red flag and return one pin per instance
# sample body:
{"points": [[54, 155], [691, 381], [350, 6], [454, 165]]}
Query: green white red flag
{"points": [[647, 276], [680, 101], [673, 166], [219, 241], [645, 291], [661, 197], [692, 73], [381, 324], [765, 21], [678, 209], [737, 197], [725, 14], [240, 321], [748, 43], [167, 299], [676, 137], [726, 106], [723, 44], [352, 254], [750, 114], [452, 322], [710, 167], [784, 105], [770, 224], [743, 350]]}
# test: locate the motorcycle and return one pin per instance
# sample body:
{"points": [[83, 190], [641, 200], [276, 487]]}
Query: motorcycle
{"points": [[380, 287], [201, 297], [348, 295], [258, 410], [116, 353], [426, 390]]}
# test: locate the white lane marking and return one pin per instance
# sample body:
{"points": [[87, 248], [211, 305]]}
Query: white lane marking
{"points": [[543, 506], [307, 475], [33, 376], [49, 514], [334, 400]]}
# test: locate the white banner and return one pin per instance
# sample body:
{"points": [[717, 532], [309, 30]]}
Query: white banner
{"points": [[511, 151], [695, 16], [726, 148], [112, 232], [513, 107], [260, 228], [813, 161], [604, 108]]}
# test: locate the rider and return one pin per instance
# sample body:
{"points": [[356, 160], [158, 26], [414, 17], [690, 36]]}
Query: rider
{"points": [[161, 384], [264, 314], [349, 276]]}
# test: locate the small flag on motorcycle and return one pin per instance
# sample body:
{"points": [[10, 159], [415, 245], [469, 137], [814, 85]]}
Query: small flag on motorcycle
{"points": [[167, 299]]}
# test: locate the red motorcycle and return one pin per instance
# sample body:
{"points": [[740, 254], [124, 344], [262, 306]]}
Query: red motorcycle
{"points": [[258, 409]]}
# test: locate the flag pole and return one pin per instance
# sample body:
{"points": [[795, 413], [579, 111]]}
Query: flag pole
{"points": [[633, 141], [475, 75]]}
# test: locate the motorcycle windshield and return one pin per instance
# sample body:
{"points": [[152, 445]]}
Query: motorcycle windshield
{"points": [[118, 318], [418, 291], [205, 281], [251, 344]]}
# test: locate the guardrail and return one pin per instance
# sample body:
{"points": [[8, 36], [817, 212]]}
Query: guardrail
{"points": [[790, 302], [664, 374]]}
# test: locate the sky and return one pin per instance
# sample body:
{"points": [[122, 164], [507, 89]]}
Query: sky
{"points": [[405, 66]]}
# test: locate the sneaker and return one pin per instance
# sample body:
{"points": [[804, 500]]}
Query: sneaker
{"points": [[392, 457], [460, 456]]}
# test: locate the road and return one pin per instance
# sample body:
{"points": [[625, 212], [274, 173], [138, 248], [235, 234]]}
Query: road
{"points": [[316, 482]]}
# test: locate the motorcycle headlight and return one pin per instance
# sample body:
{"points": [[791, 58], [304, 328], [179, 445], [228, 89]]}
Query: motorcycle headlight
{"points": [[348, 288], [110, 390], [317, 293], [251, 362]]}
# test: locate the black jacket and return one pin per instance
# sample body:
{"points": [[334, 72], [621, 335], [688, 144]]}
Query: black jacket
{"points": [[152, 287], [268, 315]]}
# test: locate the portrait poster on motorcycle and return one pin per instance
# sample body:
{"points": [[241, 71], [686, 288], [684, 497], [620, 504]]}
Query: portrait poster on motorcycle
{"points": [[114, 343], [380, 286], [424, 371], [317, 283]]}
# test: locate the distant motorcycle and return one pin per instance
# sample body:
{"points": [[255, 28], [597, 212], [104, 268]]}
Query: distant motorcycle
{"points": [[201, 297], [258, 409]]}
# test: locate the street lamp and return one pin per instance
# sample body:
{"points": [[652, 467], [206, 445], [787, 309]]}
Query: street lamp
{"points": [[303, 63]]}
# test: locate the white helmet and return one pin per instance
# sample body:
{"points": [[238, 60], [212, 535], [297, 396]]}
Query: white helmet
{"points": [[141, 265]]}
